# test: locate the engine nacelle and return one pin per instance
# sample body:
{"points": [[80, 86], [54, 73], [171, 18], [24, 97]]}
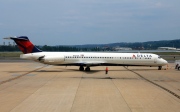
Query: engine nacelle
{"points": [[53, 59]]}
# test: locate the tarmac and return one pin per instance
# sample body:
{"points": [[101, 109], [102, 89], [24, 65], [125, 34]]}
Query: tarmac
{"points": [[35, 87]]}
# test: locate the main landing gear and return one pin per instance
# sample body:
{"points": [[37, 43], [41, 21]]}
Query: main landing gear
{"points": [[81, 68], [87, 68], [159, 67]]}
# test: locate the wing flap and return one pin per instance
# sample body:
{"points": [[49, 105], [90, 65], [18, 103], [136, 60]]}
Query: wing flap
{"points": [[90, 63]]}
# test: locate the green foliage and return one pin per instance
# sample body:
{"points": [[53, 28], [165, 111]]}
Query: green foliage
{"points": [[10, 54], [58, 48], [9, 48], [152, 45]]}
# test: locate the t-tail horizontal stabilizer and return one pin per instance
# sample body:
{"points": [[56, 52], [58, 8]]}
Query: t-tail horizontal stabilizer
{"points": [[24, 44]]}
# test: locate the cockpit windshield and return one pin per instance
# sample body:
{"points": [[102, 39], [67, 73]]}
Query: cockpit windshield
{"points": [[159, 57]]}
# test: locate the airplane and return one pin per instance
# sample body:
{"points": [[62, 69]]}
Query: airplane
{"points": [[85, 59]]}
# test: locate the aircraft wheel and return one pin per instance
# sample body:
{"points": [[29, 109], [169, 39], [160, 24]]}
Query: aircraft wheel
{"points": [[81, 68], [87, 69], [159, 67]]}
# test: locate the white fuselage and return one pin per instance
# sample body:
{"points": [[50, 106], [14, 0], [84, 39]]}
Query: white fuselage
{"points": [[96, 59]]}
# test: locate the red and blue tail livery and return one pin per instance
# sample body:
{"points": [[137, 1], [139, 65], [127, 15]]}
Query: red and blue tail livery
{"points": [[24, 44]]}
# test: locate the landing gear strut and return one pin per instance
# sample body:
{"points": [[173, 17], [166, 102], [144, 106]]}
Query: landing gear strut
{"points": [[159, 67], [81, 68]]}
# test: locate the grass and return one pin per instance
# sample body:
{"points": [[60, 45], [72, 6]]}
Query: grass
{"points": [[10, 54]]}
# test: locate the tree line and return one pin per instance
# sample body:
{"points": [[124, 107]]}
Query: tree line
{"points": [[4, 48], [152, 45]]}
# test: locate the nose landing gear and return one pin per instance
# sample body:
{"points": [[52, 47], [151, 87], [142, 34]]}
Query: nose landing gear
{"points": [[159, 67]]}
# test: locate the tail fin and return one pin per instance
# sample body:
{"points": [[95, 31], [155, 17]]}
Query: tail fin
{"points": [[24, 44]]}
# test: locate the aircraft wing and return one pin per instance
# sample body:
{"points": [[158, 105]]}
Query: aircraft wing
{"points": [[90, 63]]}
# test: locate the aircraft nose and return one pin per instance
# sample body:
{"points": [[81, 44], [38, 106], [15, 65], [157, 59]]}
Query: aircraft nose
{"points": [[165, 62]]}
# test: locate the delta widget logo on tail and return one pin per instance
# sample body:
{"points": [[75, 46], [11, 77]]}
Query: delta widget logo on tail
{"points": [[24, 44]]}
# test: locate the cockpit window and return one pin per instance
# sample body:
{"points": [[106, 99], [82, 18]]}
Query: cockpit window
{"points": [[159, 57]]}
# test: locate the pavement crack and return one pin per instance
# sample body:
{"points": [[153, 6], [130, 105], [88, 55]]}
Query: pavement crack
{"points": [[19, 76], [121, 94], [76, 93], [169, 91]]}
